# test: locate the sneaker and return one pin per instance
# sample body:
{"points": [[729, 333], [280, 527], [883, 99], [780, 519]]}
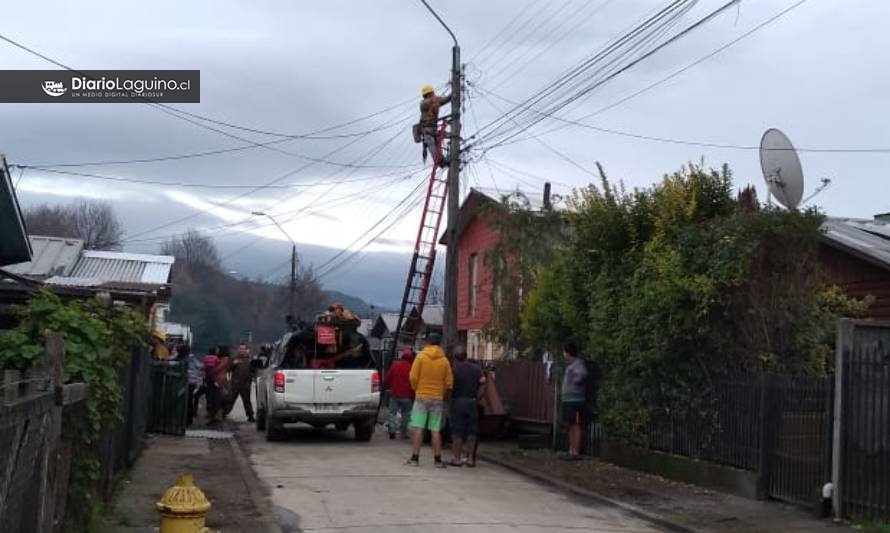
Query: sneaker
{"points": [[392, 436], [251, 419], [412, 462]]}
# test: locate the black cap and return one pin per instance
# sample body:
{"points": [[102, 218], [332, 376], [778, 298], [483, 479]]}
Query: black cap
{"points": [[434, 338]]}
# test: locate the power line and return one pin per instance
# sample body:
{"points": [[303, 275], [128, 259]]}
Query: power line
{"points": [[686, 31], [677, 72], [638, 38], [585, 65], [510, 51], [380, 221], [518, 31], [185, 184], [355, 253], [553, 150], [245, 194], [177, 113], [550, 43], [146, 100], [283, 199], [504, 28], [195, 154], [298, 212], [706, 144]]}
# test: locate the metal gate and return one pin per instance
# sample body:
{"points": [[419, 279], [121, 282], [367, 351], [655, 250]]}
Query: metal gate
{"points": [[169, 398], [800, 456], [862, 421]]}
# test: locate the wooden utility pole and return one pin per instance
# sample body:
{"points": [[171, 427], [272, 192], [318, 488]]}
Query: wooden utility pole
{"points": [[451, 263]]}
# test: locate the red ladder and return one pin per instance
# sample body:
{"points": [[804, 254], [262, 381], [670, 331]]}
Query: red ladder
{"points": [[421, 271]]}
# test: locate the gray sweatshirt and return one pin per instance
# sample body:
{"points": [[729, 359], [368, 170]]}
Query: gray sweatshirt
{"points": [[574, 381]]}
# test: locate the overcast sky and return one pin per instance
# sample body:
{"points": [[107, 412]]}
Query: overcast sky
{"points": [[819, 74]]}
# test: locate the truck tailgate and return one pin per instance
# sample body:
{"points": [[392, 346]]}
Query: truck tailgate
{"points": [[299, 386], [344, 386]]}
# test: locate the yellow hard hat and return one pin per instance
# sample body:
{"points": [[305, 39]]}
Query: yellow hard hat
{"points": [[426, 89], [160, 335]]}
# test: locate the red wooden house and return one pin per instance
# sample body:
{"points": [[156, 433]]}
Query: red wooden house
{"points": [[475, 282], [855, 256]]}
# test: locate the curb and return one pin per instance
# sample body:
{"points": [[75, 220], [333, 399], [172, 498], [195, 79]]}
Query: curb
{"points": [[253, 487], [589, 494]]}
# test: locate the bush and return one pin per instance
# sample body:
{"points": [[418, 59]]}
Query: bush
{"points": [[98, 339], [666, 285]]}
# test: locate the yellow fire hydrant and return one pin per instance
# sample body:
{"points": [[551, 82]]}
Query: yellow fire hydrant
{"points": [[183, 507]]}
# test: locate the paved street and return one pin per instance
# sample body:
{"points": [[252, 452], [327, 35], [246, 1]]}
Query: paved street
{"points": [[325, 481]]}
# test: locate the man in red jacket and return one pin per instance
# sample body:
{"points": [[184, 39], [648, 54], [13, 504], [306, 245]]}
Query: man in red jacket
{"points": [[401, 395]]}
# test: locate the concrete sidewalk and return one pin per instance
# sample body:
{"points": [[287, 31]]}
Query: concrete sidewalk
{"points": [[220, 470], [677, 506]]}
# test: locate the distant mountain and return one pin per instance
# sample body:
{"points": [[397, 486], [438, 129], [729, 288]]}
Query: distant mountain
{"points": [[377, 278], [353, 303]]}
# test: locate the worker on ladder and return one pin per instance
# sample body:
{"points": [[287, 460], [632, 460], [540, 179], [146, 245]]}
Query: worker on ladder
{"points": [[429, 119]]}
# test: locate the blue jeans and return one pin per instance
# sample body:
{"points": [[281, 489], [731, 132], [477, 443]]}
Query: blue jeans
{"points": [[399, 406]]}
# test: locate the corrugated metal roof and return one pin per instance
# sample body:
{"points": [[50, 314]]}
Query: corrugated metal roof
{"points": [[53, 256], [124, 267], [860, 239], [434, 315], [365, 327]]}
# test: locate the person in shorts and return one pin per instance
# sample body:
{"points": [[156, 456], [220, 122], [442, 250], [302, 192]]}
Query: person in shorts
{"points": [[464, 413], [431, 380], [574, 400]]}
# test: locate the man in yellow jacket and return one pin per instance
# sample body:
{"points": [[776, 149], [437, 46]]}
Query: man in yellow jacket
{"points": [[431, 380]]}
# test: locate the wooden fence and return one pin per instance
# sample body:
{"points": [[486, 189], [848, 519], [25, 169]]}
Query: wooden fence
{"points": [[527, 391], [34, 454]]}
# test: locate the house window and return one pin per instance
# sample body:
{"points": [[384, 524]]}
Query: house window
{"points": [[474, 345], [471, 278]]}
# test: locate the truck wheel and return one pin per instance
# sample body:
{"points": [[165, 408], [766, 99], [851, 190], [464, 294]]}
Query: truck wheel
{"points": [[342, 426], [260, 419], [274, 430], [364, 431]]}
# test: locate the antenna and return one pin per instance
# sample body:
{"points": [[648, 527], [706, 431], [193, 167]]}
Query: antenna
{"points": [[781, 168], [825, 183]]}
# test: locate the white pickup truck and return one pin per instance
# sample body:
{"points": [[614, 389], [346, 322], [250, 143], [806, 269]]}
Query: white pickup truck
{"points": [[288, 392]]}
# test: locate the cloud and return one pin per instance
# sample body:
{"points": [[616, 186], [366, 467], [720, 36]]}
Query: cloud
{"points": [[301, 66]]}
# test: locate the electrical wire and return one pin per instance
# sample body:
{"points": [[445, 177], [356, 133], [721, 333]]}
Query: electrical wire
{"points": [[180, 114], [679, 71], [502, 60], [549, 43], [572, 74], [244, 194], [189, 185], [406, 200], [504, 29], [355, 254], [673, 39]]}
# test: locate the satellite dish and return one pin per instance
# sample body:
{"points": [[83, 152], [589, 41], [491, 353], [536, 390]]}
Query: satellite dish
{"points": [[781, 168]]}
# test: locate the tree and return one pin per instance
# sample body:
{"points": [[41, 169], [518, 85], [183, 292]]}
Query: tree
{"points": [[193, 250], [94, 222], [668, 286], [528, 239]]}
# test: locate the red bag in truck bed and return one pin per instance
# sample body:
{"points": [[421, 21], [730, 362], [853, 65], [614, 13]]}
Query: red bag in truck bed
{"points": [[325, 334]]}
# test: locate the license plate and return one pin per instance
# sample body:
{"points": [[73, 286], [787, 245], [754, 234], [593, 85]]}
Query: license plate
{"points": [[328, 408]]}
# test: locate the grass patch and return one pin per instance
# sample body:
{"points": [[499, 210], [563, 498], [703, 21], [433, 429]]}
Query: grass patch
{"points": [[876, 527]]}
